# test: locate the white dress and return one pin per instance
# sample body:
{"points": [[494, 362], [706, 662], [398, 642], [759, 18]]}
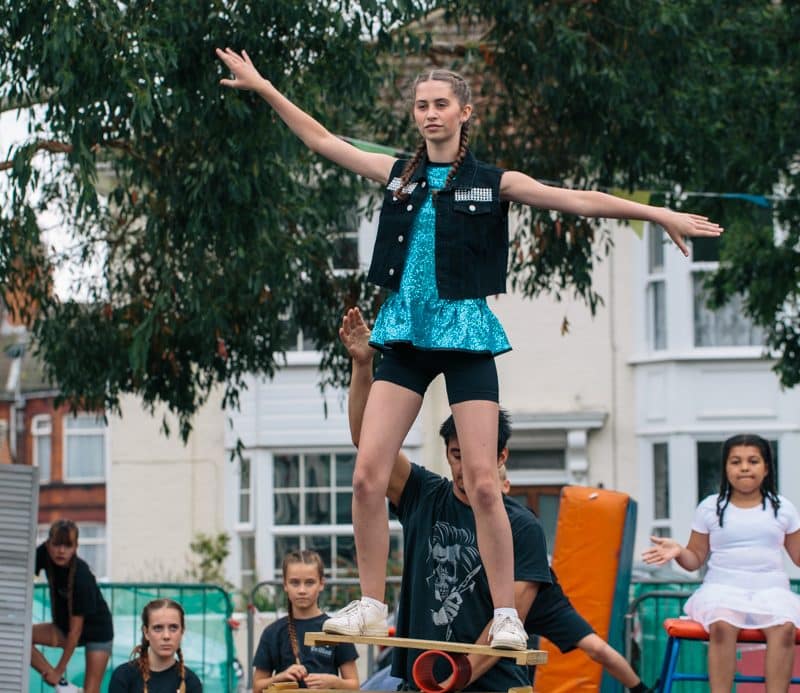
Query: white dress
{"points": [[746, 584]]}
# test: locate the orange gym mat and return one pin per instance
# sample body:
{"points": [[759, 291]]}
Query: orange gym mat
{"points": [[592, 558]]}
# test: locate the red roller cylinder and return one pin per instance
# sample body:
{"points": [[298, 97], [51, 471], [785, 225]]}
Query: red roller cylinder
{"points": [[422, 671]]}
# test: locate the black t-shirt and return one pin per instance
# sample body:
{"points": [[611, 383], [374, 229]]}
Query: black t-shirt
{"points": [[87, 600], [274, 651], [128, 679], [441, 561]]}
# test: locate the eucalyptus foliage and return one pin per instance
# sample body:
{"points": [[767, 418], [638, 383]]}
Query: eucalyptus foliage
{"points": [[216, 236], [215, 228]]}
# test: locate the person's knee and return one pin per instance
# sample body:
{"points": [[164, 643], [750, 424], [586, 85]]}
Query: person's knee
{"points": [[597, 648], [720, 631], [483, 492], [785, 635]]}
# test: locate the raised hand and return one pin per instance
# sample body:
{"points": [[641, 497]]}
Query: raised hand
{"points": [[354, 334], [245, 75], [663, 552], [681, 225]]}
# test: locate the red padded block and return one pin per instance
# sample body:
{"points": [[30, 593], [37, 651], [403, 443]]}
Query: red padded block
{"points": [[686, 629]]}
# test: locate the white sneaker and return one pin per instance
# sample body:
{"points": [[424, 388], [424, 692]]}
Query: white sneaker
{"points": [[508, 633], [359, 618]]}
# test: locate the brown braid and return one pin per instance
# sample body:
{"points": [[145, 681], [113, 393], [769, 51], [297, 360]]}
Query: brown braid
{"points": [[293, 633], [73, 566], [409, 169], [143, 661], [182, 671], [463, 93], [463, 146]]}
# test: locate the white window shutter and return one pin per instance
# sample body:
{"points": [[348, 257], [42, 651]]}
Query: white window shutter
{"points": [[19, 503]]}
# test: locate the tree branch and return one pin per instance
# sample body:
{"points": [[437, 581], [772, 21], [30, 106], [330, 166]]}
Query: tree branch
{"points": [[55, 147], [46, 145]]}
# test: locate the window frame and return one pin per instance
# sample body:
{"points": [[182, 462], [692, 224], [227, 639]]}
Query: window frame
{"points": [[67, 432], [36, 435]]}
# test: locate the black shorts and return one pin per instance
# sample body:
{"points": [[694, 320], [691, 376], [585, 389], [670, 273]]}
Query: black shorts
{"points": [[553, 617], [468, 376]]}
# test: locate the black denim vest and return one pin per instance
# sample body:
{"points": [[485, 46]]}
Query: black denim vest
{"points": [[471, 231]]}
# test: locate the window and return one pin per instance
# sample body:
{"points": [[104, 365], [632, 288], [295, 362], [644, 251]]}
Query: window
{"points": [[245, 493], [92, 547], [42, 434], [345, 243], [247, 562], [656, 289], [725, 326], [85, 448], [297, 341], [660, 481], [312, 510], [709, 465], [544, 459], [544, 501]]}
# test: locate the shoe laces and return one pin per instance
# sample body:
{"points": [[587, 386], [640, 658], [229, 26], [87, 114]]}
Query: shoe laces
{"points": [[352, 608]]}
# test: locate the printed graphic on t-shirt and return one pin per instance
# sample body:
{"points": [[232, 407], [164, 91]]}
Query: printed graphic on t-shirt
{"points": [[454, 562]]}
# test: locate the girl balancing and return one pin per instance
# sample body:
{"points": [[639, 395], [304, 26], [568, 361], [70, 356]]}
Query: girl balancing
{"points": [[439, 256]]}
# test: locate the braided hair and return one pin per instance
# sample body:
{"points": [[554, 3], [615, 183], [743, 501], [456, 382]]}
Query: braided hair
{"points": [[464, 95], [140, 652], [307, 557], [62, 533], [768, 487]]}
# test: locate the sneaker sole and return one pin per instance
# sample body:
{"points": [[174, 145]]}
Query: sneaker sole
{"points": [[507, 645], [369, 632]]}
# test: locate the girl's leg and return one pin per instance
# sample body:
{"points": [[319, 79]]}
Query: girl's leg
{"points": [[96, 663], [476, 427], [721, 656], [780, 657], [388, 415], [44, 634], [390, 411]]}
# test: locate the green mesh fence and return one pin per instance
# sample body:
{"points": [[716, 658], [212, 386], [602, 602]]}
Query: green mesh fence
{"points": [[207, 644], [649, 640]]}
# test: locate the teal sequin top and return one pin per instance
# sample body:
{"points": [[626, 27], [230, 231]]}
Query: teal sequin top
{"points": [[416, 315]]}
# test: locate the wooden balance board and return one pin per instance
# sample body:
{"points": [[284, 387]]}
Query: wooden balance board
{"points": [[530, 657]]}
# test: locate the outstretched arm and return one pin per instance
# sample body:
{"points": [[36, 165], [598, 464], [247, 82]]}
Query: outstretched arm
{"points": [[518, 187], [354, 334], [689, 557], [316, 137]]}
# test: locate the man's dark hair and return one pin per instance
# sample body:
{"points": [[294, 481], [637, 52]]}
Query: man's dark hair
{"points": [[448, 430]]}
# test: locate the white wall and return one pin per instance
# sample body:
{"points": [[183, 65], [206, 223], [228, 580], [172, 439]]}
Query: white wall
{"points": [[162, 492]]}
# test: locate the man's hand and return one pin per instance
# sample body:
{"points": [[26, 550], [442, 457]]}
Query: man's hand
{"points": [[449, 610], [354, 334]]}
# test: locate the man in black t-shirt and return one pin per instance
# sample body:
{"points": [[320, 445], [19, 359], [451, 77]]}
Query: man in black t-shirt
{"points": [[438, 536], [445, 594]]}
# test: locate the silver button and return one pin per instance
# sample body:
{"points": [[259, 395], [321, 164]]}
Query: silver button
{"points": [[423, 183], [391, 272], [409, 208], [472, 208], [400, 238]]}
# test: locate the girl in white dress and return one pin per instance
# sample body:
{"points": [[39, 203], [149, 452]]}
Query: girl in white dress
{"points": [[742, 531]]}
